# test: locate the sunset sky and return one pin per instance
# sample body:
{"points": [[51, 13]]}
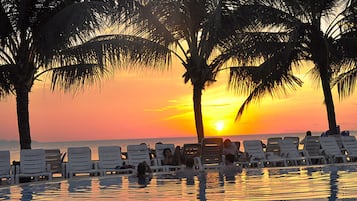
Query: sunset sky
{"points": [[142, 104]]}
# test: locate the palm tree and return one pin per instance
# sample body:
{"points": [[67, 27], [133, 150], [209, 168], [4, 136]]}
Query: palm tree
{"points": [[286, 33], [190, 30], [36, 38]]}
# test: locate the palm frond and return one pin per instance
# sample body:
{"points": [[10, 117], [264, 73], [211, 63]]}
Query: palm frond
{"points": [[5, 25], [346, 81], [271, 13], [157, 22], [272, 77], [6, 86], [250, 47], [68, 26], [257, 88], [119, 50], [75, 76]]}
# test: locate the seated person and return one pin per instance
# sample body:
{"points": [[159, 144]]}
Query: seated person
{"points": [[230, 170], [168, 157], [178, 156], [188, 172], [230, 148], [172, 159]]}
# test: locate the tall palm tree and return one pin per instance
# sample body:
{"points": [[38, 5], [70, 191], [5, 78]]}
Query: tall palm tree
{"points": [[286, 33], [36, 38], [190, 30]]}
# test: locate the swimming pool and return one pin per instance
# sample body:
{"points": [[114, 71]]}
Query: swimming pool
{"points": [[303, 183]]}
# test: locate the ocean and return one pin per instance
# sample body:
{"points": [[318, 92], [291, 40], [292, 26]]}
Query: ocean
{"points": [[14, 147]]}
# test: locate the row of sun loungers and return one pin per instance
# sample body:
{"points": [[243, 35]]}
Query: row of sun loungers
{"points": [[40, 163]]}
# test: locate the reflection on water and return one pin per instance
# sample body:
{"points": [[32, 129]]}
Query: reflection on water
{"points": [[32, 192], [322, 183], [5, 194], [110, 182], [333, 185], [79, 185]]}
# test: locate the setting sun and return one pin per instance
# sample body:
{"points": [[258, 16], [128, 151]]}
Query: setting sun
{"points": [[219, 125]]}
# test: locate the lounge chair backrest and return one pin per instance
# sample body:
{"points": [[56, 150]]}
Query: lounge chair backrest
{"points": [[109, 157], [79, 158], [254, 148], [351, 147], [338, 139], [159, 150], [137, 154], [330, 146], [211, 150], [312, 145], [348, 139], [191, 150], [32, 161], [273, 145], [288, 148], [54, 159], [5, 162], [295, 140]]}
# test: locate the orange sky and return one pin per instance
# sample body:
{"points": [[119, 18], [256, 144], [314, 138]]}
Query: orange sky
{"points": [[158, 104]]}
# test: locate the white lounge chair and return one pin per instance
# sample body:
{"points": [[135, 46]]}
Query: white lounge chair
{"points": [[33, 164], [350, 147], [312, 149], [110, 160], [6, 171], [54, 159], [258, 158], [293, 156], [331, 149], [295, 140], [80, 162], [138, 154], [273, 145], [159, 150], [347, 140]]}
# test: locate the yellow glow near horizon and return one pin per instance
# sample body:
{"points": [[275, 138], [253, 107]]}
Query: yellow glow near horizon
{"points": [[219, 125]]}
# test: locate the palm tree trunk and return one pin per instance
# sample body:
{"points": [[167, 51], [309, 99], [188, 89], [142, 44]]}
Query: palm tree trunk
{"points": [[22, 105], [197, 108], [330, 107]]}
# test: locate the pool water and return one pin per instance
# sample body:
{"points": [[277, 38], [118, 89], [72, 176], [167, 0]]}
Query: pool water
{"points": [[303, 183]]}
